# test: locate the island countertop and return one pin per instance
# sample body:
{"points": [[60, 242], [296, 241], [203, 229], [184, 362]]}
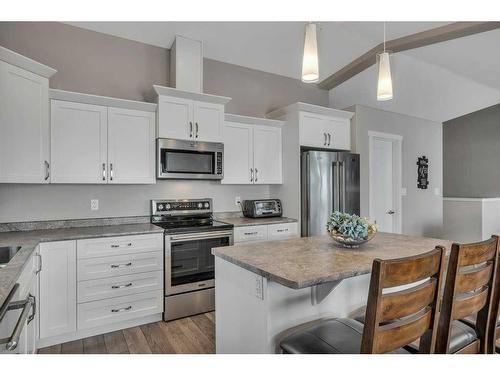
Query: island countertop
{"points": [[303, 262]]}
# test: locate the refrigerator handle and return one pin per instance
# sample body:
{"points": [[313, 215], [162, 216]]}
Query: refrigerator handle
{"points": [[335, 186], [305, 197], [342, 184]]}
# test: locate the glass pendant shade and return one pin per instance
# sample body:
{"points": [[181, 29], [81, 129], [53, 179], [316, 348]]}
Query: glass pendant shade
{"points": [[310, 65], [384, 86]]}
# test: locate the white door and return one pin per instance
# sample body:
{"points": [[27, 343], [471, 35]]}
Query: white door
{"points": [[382, 184], [267, 155], [339, 133], [131, 146], [175, 118], [238, 153], [24, 126], [78, 142], [57, 305], [312, 130], [208, 122]]}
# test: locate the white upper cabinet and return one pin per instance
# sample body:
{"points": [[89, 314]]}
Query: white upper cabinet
{"points": [[267, 155], [208, 122], [252, 151], [131, 146], [113, 142], [322, 131], [79, 135], [238, 153], [24, 119], [189, 116], [176, 117]]}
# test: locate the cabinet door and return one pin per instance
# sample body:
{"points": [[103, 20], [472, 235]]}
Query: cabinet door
{"points": [[175, 118], [267, 155], [57, 305], [312, 130], [78, 142], [24, 126], [208, 122], [131, 146], [339, 131], [238, 153]]}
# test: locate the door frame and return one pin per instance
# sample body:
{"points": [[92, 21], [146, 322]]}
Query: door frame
{"points": [[397, 157]]}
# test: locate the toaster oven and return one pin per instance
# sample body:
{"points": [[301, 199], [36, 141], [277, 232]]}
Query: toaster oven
{"points": [[262, 208]]}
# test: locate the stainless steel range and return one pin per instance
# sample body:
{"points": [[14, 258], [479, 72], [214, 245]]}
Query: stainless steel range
{"points": [[190, 235]]}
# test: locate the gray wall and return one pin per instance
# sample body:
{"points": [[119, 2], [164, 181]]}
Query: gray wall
{"points": [[471, 154], [422, 209], [100, 64]]}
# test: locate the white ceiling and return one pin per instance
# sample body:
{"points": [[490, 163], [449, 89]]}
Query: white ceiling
{"points": [[471, 63], [274, 47]]}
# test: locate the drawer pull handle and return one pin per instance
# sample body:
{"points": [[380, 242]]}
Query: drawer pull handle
{"points": [[127, 245], [250, 233], [121, 265], [122, 309], [121, 286], [282, 230]]}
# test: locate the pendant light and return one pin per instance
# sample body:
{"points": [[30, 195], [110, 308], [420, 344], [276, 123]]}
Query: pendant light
{"points": [[310, 65], [384, 86]]}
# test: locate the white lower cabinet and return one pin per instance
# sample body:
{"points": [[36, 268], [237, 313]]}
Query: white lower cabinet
{"points": [[269, 232], [57, 288], [93, 285], [112, 310]]}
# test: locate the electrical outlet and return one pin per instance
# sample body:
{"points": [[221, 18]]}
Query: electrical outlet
{"points": [[437, 191], [94, 204], [404, 192], [237, 201]]}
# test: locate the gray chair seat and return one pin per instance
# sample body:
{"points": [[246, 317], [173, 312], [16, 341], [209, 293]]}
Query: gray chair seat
{"points": [[461, 335], [332, 336]]}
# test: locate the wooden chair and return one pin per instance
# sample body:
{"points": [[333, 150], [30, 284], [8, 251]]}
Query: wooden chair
{"points": [[469, 289], [394, 318]]}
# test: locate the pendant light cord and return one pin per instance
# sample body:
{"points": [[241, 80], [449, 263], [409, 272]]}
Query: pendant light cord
{"points": [[384, 36]]}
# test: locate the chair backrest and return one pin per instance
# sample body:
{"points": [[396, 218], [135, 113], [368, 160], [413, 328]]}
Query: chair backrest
{"points": [[397, 318], [494, 321], [468, 290]]}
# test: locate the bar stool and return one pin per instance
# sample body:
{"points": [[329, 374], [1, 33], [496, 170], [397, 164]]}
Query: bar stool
{"points": [[472, 272], [394, 318]]}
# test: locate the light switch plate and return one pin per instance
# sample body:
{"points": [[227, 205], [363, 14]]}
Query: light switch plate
{"points": [[94, 204], [437, 191], [403, 192]]}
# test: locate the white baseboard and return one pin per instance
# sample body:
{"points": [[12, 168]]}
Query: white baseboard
{"points": [[42, 343]]}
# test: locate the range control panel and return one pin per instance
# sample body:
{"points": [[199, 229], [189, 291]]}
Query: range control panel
{"points": [[181, 206]]}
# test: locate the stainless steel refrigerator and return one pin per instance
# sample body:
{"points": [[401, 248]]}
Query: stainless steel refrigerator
{"points": [[329, 182]]}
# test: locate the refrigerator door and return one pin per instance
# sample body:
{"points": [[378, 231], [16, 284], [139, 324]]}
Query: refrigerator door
{"points": [[349, 182], [319, 185]]}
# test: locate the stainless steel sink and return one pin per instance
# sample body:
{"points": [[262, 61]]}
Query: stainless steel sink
{"points": [[7, 253]]}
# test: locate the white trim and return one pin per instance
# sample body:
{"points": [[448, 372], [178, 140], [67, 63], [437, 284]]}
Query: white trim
{"points": [[252, 120], [471, 199], [305, 107], [200, 97], [77, 335], [26, 63], [397, 141], [106, 101]]}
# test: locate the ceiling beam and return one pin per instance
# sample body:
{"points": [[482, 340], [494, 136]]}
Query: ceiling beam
{"points": [[417, 40]]}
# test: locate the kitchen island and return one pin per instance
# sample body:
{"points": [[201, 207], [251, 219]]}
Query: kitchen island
{"points": [[263, 289]]}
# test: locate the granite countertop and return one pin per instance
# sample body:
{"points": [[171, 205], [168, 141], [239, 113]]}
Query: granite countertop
{"points": [[303, 262], [28, 240], [247, 221]]}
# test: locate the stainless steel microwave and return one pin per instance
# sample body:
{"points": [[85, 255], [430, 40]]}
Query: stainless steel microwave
{"points": [[178, 159]]}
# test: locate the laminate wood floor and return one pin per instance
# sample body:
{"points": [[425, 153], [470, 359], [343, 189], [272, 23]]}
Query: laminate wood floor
{"points": [[192, 335]]}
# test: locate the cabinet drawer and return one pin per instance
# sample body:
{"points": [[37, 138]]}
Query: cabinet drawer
{"points": [[93, 290], [112, 310], [102, 247], [98, 268], [282, 231], [250, 233]]}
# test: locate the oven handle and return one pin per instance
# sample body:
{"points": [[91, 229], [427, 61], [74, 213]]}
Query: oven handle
{"points": [[198, 236]]}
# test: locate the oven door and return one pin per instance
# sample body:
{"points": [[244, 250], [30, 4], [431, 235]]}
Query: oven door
{"points": [[189, 263], [179, 159]]}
